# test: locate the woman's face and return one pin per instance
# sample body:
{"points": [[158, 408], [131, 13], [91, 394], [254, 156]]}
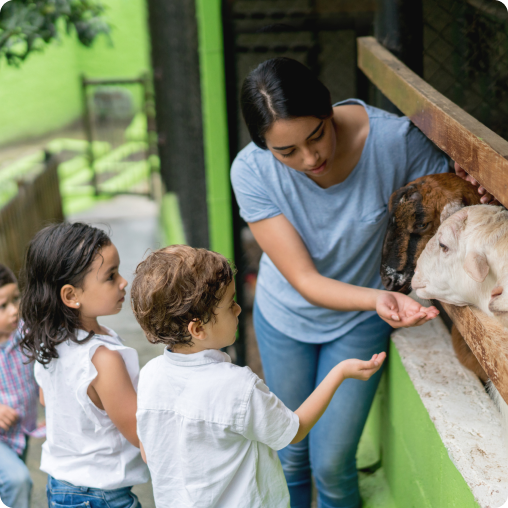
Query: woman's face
{"points": [[306, 144]]}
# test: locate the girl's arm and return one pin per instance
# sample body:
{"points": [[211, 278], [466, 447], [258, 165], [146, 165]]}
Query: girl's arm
{"points": [[314, 407], [41, 397], [113, 392], [284, 246]]}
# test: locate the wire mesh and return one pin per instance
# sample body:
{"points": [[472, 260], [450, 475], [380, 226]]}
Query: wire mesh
{"points": [[466, 57]]}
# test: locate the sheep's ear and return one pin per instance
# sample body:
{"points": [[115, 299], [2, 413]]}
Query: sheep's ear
{"points": [[476, 266], [450, 208]]}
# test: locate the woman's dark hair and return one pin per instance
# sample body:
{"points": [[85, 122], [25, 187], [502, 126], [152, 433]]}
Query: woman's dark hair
{"points": [[281, 88], [6, 276], [59, 254]]}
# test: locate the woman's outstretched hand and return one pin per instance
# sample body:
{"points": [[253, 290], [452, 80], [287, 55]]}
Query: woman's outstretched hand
{"points": [[401, 311]]}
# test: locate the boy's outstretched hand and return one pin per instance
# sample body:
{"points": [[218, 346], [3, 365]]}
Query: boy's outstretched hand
{"points": [[315, 405], [359, 369]]}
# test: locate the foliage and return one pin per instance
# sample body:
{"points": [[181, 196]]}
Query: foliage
{"points": [[26, 25]]}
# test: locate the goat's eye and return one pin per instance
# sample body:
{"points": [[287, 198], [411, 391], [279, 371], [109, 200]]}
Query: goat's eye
{"points": [[443, 247], [422, 226]]}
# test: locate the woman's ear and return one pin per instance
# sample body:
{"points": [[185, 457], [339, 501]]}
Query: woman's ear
{"points": [[69, 296], [197, 330]]}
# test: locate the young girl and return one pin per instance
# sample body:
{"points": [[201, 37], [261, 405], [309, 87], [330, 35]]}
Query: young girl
{"points": [[87, 377]]}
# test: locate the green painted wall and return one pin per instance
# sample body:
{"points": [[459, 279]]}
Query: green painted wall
{"points": [[43, 94], [419, 472], [215, 129]]}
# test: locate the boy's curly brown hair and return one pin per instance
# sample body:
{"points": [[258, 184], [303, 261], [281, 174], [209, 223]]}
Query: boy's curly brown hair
{"points": [[176, 285]]}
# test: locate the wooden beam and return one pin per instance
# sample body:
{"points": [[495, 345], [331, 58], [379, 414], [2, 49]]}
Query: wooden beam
{"points": [[480, 151], [488, 341]]}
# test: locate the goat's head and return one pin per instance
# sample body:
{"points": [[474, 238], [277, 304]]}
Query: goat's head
{"points": [[416, 211]]}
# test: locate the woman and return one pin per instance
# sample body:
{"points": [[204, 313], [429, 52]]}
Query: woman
{"points": [[314, 187]]}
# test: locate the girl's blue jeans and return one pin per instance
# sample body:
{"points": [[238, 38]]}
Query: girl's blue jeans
{"points": [[292, 371], [61, 493]]}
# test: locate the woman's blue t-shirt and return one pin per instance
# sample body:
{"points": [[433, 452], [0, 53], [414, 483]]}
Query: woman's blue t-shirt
{"points": [[343, 227]]}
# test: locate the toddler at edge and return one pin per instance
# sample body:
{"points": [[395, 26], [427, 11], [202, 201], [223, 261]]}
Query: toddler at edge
{"points": [[209, 430]]}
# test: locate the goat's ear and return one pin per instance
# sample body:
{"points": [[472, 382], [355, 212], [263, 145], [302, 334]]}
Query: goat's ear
{"points": [[450, 208], [476, 266]]}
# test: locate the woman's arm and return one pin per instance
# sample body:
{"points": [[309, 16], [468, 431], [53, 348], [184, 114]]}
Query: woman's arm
{"points": [[113, 392], [284, 246]]}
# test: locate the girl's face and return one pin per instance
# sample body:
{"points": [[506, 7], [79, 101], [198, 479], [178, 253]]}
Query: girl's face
{"points": [[9, 310], [306, 144], [103, 288]]}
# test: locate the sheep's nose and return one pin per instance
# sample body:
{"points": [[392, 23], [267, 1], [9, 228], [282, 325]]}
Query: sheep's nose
{"points": [[497, 291]]}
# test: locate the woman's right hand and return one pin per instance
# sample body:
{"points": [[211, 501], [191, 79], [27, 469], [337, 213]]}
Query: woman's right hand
{"points": [[401, 311]]}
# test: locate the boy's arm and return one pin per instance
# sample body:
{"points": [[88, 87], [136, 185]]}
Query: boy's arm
{"points": [[314, 407], [143, 454], [113, 387]]}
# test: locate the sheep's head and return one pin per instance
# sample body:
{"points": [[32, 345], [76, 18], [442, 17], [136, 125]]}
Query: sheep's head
{"points": [[462, 262], [441, 267], [416, 211]]}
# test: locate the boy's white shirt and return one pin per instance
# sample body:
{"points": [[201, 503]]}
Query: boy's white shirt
{"points": [[83, 446], [210, 430]]}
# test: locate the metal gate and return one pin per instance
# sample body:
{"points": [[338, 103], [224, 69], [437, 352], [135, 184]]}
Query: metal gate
{"points": [[119, 123]]}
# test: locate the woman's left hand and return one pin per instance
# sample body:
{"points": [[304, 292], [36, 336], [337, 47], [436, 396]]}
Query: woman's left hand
{"points": [[401, 311], [486, 198]]}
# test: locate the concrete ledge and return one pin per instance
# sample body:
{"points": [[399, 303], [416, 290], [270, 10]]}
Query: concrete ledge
{"points": [[464, 417]]}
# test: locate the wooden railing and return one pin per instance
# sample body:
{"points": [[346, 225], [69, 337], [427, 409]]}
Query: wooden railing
{"points": [[480, 151], [37, 203]]}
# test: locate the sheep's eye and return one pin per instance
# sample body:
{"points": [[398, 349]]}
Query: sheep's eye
{"points": [[443, 247]]}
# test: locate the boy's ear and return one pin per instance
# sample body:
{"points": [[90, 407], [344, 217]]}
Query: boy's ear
{"points": [[69, 296], [196, 329]]}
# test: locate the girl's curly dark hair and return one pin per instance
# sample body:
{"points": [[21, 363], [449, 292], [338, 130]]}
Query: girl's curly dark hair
{"points": [[176, 285], [59, 254]]}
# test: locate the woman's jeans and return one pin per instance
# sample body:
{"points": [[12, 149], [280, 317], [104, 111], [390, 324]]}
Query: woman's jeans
{"points": [[61, 493], [15, 481], [292, 370]]}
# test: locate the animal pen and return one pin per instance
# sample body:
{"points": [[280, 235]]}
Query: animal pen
{"points": [[36, 202], [441, 445]]}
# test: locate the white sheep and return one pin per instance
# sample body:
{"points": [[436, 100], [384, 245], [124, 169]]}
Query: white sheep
{"points": [[466, 263]]}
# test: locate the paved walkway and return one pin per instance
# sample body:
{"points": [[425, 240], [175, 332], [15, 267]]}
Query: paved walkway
{"points": [[132, 222]]}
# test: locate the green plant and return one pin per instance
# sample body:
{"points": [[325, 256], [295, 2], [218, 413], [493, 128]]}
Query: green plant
{"points": [[27, 25]]}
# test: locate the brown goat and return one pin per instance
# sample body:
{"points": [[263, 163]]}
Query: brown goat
{"points": [[416, 211]]}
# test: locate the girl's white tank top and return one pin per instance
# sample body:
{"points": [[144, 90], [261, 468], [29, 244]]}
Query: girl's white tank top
{"points": [[83, 446]]}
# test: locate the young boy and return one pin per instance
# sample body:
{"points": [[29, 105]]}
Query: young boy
{"points": [[18, 399], [210, 429]]}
